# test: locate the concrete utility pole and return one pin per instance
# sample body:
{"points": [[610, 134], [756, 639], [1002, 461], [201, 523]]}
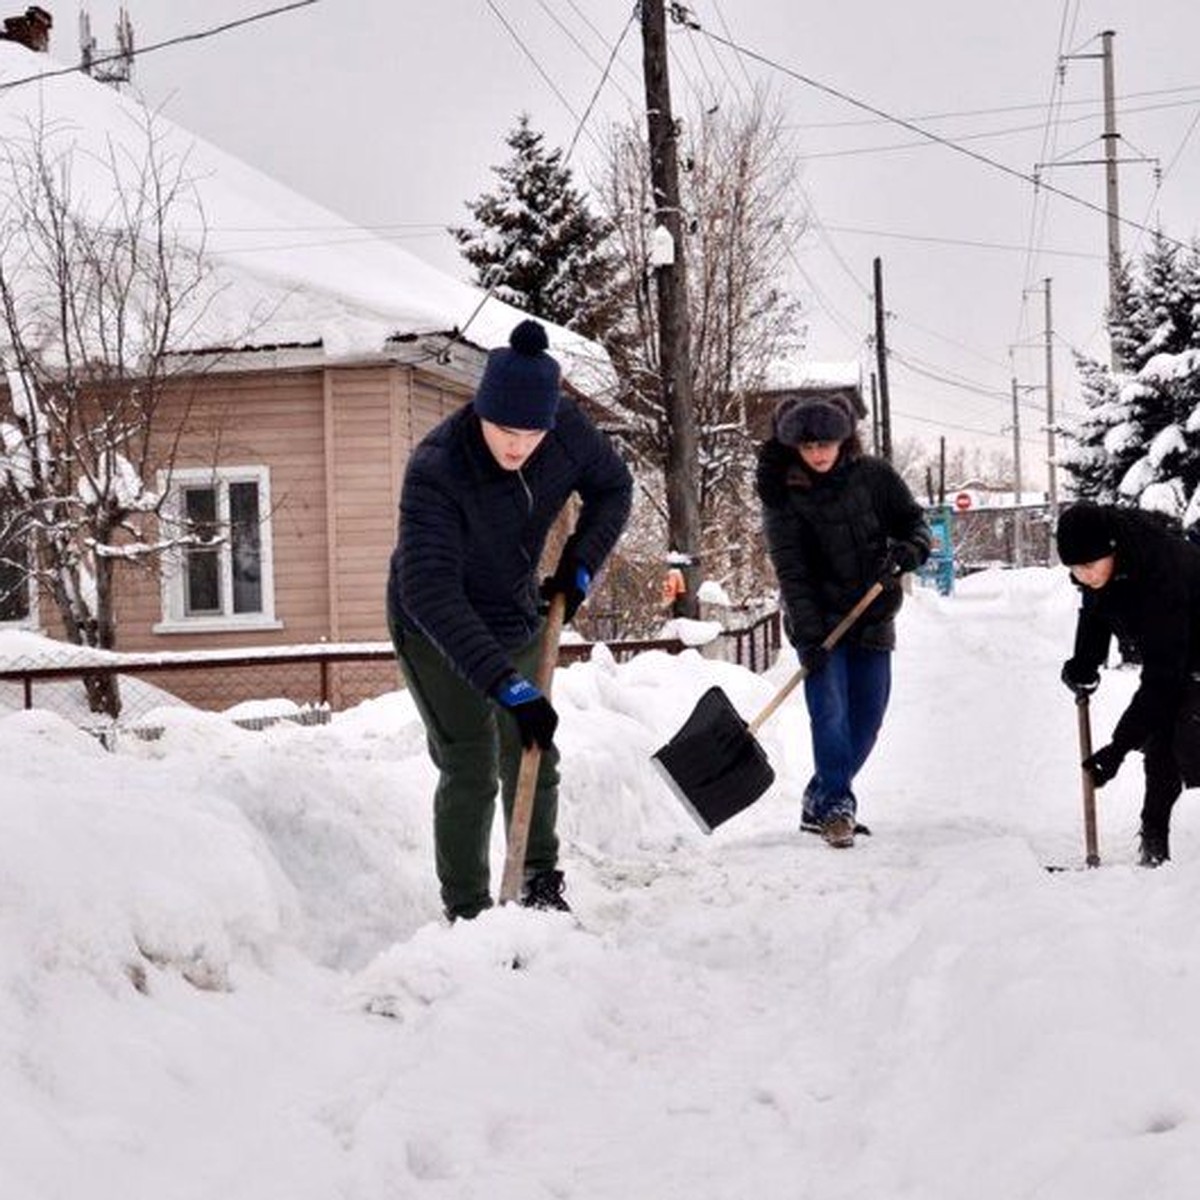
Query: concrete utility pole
{"points": [[885, 407], [1051, 472], [1112, 196], [1018, 532], [1112, 204], [674, 330]]}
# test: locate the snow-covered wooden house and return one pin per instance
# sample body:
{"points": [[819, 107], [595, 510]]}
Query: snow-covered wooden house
{"points": [[315, 358]]}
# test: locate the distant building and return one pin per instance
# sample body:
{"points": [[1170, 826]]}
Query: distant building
{"points": [[804, 379]]}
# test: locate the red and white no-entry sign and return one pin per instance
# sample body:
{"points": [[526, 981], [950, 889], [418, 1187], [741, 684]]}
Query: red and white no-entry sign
{"points": [[962, 501]]}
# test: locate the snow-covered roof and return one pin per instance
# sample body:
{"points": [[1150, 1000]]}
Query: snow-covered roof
{"points": [[287, 268], [798, 374]]}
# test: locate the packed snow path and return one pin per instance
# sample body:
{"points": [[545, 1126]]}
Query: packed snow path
{"points": [[224, 973]]}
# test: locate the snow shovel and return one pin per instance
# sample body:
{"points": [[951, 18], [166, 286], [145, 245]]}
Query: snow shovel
{"points": [[1089, 788], [531, 757], [714, 764]]}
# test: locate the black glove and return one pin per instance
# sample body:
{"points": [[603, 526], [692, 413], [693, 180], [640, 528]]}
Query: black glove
{"points": [[534, 714], [898, 558], [1081, 678], [813, 659], [571, 579], [1104, 764]]}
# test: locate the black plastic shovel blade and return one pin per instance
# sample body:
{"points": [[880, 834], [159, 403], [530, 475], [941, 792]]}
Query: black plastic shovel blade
{"points": [[713, 764]]}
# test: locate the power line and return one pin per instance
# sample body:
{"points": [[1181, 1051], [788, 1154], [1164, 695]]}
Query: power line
{"points": [[930, 239], [926, 134], [154, 46]]}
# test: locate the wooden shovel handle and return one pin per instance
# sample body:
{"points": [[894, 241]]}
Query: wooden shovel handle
{"points": [[531, 757], [834, 636], [1089, 788]]}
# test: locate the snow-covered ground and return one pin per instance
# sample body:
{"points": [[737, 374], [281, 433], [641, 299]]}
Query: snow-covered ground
{"points": [[223, 973]]}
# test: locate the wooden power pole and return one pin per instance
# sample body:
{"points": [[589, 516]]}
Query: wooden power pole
{"points": [[885, 406], [674, 331]]}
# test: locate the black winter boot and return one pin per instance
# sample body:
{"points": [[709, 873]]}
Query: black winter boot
{"points": [[1155, 847], [544, 889]]}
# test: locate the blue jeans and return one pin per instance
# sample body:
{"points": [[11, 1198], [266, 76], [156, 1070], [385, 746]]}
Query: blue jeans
{"points": [[846, 702]]}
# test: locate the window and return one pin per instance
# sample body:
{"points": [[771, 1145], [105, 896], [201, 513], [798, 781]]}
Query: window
{"points": [[16, 586], [222, 577]]}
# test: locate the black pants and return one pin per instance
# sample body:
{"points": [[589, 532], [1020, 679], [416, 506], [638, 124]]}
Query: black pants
{"points": [[1172, 762]]}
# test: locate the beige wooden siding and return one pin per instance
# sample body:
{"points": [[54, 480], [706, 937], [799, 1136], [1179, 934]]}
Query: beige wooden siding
{"points": [[359, 452], [336, 442], [271, 420]]}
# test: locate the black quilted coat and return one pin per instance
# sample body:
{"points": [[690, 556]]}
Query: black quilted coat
{"points": [[471, 534], [827, 535], [1152, 602]]}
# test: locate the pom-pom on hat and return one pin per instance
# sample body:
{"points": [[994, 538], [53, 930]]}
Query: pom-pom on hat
{"points": [[521, 383], [801, 419], [1084, 534]]}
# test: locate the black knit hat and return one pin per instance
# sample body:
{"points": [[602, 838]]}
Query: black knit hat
{"points": [[800, 419], [1084, 534], [521, 383]]}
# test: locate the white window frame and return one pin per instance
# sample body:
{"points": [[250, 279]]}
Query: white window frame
{"points": [[175, 618]]}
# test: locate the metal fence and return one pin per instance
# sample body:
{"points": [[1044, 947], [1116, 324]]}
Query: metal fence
{"points": [[302, 683]]}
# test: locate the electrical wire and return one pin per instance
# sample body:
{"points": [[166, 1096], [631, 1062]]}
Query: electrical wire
{"points": [[142, 51], [927, 134]]}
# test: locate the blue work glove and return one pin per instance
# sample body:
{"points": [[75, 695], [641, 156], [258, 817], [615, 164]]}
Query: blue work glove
{"points": [[813, 659], [898, 558], [534, 714], [571, 579], [1080, 677], [1104, 764]]}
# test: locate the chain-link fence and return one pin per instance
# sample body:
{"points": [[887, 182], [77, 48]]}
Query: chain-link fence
{"points": [[296, 683]]}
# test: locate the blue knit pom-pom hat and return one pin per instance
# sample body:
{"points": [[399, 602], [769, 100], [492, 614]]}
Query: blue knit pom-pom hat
{"points": [[521, 383]]}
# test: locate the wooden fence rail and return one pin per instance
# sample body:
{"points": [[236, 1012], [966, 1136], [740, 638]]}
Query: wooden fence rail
{"points": [[753, 647]]}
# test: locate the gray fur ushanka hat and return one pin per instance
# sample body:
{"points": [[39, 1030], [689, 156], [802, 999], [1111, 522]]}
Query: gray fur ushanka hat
{"points": [[800, 419]]}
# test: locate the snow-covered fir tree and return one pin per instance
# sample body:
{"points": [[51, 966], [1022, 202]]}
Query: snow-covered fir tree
{"points": [[1138, 441], [537, 245]]}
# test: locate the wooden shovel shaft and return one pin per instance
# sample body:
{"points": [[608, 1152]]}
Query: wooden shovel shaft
{"points": [[531, 758], [1089, 787], [834, 636]]}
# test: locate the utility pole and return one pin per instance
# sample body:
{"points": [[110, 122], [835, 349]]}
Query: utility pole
{"points": [[674, 332], [1018, 533], [1112, 205], [1112, 197], [1051, 472], [874, 416], [885, 407]]}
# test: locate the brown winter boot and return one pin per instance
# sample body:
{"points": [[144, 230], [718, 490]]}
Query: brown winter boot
{"points": [[838, 830]]}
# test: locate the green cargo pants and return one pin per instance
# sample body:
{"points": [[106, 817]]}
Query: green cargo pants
{"points": [[474, 744]]}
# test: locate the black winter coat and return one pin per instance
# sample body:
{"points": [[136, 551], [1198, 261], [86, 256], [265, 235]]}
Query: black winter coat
{"points": [[827, 535], [472, 534], [1153, 602]]}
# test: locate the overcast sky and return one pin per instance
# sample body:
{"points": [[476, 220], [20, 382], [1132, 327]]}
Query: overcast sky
{"points": [[392, 113]]}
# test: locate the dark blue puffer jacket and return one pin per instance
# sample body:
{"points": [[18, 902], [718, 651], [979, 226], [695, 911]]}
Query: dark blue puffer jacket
{"points": [[464, 570], [826, 535]]}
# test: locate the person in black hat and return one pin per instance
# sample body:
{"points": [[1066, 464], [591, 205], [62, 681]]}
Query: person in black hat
{"points": [[479, 497], [837, 520], [1140, 583]]}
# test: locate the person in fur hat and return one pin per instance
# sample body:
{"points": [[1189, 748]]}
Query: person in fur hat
{"points": [[1139, 582], [836, 521], [480, 495]]}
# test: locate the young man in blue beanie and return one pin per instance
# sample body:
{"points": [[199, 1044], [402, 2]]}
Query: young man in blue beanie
{"points": [[837, 520], [480, 495], [1139, 581]]}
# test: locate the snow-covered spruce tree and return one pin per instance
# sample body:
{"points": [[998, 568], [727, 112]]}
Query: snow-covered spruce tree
{"points": [[1139, 440], [537, 245], [739, 192], [1094, 447], [94, 287]]}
